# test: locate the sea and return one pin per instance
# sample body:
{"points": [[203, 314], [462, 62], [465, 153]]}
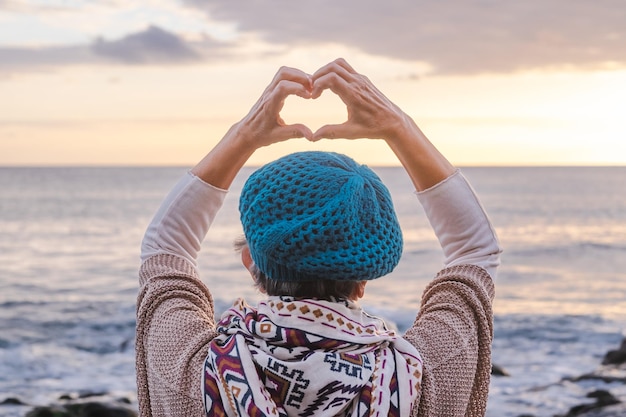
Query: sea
{"points": [[69, 254]]}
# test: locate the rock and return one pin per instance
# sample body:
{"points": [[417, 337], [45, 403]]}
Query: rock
{"points": [[124, 345], [606, 373], [12, 401], [82, 394], [83, 409], [88, 394], [616, 357], [95, 409], [603, 399], [618, 410], [598, 376], [498, 371], [52, 411]]}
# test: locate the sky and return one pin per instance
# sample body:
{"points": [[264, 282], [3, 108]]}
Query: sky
{"points": [[158, 82]]}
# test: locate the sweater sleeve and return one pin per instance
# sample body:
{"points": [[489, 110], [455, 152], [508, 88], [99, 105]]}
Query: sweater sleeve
{"points": [[175, 312], [453, 330]]}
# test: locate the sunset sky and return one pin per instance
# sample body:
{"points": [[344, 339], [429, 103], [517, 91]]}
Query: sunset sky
{"points": [[158, 82]]}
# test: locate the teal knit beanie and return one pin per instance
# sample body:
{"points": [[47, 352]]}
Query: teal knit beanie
{"points": [[319, 215]]}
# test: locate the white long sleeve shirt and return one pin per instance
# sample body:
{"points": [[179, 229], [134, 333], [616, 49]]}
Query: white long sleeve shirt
{"points": [[455, 213]]}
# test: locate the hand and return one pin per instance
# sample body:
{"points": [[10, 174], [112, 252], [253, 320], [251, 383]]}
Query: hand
{"points": [[261, 127], [263, 124], [370, 113]]}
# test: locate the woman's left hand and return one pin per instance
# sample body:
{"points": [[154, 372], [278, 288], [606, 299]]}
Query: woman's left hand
{"points": [[370, 114]]}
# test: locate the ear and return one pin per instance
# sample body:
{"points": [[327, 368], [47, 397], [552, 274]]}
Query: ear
{"points": [[359, 291], [246, 258]]}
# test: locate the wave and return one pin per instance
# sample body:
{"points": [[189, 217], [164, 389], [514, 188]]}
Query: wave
{"points": [[568, 249]]}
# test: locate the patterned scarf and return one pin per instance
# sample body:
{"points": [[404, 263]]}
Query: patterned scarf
{"points": [[305, 357]]}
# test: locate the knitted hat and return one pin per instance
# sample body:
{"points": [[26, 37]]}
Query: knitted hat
{"points": [[319, 215]]}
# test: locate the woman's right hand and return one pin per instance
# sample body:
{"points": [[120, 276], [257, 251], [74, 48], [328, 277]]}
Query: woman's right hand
{"points": [[263, 125]]}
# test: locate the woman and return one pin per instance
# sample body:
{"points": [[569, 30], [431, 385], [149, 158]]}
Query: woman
{"points": [[317, 227]]}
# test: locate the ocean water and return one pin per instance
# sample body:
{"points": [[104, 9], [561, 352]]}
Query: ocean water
{"points": [[69, 254]]}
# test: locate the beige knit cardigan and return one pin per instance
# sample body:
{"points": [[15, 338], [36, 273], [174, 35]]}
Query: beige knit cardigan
{"points": [[175, 324]]}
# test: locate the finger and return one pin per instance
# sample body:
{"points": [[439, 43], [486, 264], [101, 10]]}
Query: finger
{"points": [[276, 97], [332, 81], [339, 63], [297, 130], [340, 131], [287, 87], [336, 67], [290, 74], [344, 64]]}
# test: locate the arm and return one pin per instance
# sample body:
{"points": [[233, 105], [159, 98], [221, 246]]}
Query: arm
{"points": [[372, 115], [182, 221], [451, 205], [262, 126], [453, 332], [461, 224], [175, 316], [453, 329], [173, 303]]}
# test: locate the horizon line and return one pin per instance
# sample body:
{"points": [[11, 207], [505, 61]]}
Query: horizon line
{"points": [[114, 165]]}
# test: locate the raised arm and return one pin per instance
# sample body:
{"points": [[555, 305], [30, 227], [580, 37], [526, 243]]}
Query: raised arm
{"points": [[262, 126], [185, 215], [451, 205], [175, 317], [372, 115], [454, 327]]}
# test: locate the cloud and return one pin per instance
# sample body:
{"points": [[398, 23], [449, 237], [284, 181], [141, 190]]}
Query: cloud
{"points": [[27, 7], [24, 58], [154, 45], [455, 36], [151, 46], [451, 37], [6, 4], [11, 6]]}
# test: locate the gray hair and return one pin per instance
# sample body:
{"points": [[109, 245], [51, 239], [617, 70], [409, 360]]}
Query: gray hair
{"points": [[324, 289]]}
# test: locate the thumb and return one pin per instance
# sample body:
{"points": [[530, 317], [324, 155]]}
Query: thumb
{"points": [[342, 130], [297, 130]]}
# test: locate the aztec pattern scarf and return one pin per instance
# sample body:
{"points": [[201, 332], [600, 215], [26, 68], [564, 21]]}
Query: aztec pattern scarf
{"points": [[306, 357]]}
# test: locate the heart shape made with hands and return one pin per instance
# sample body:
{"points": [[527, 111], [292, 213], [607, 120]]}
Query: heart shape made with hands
{"points": [[314, 113]]}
